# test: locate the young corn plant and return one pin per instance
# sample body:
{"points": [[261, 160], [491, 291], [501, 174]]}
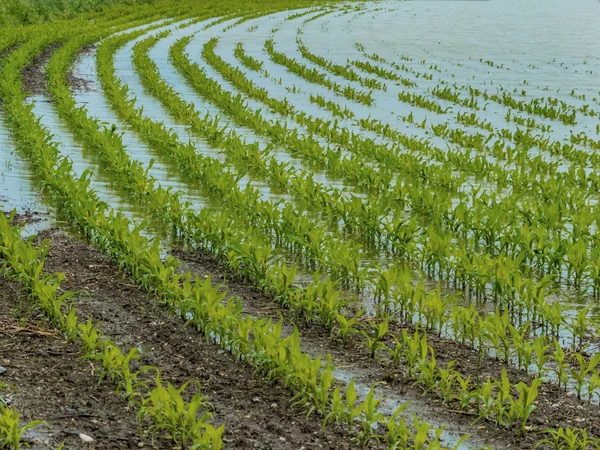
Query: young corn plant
{"points": [[464, 394], [523, 407], [593, 387], [540, 348], [322, 389], [446, 380], [398, 433], [330, 303], [428, 372], [353, 411], [580, 372], [504, 401], [415, 350], [371, 416], [347, 326], [486, 402], [396, 352], [579, 328], [569, 439], [375, 342], [11, 431], [117, 366], [562, 365], [421, 439], [90, 337], [186, 423], [337, 408]]}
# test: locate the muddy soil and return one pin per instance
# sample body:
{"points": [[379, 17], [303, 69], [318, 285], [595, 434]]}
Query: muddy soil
{"points": [[33, 76], [77, 83], [257, 414], [26, 218], [53, 384], [555, 408]]}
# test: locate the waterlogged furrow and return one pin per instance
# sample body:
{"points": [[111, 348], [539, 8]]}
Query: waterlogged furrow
{"points": [[368, 129], [515, 65], [265, 336], [437, 88], [158, 53], [370, 124], [195, 44], [264, 165], [587, 185], [81, 162], [542, 110], [562, 274], [154, 111], [277, 223], [17, 185], [523, 138], [545, 163], [98, 141], [152, 108], [87, 93], [521, 130], [279, 84]]}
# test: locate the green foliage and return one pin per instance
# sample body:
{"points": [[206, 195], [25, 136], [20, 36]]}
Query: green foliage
{"points": [[465, 237], [374, 339], [185, 422], [569, 439], [11, 431], [14, 12]]}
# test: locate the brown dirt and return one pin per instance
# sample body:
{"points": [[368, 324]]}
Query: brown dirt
{"points": [[257, 414], [26, 218], [53, 384], [555, 408], [33, 76]]}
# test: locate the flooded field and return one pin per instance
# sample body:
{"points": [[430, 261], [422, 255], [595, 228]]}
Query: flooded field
{"points": [[410, 187]]}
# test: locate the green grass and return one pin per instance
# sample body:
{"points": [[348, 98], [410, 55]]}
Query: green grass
{"points": [[17, 12]]}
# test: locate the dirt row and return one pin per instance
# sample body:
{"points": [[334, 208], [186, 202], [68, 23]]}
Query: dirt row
{"points": [[555, 407], [56, 386]]}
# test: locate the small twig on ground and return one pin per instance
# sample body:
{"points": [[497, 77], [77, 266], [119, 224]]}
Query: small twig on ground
{"points": [[29, 329]]}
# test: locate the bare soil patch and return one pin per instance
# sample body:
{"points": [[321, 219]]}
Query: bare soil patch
{"points": [[257, 414], [53, 384], [33, 76]]}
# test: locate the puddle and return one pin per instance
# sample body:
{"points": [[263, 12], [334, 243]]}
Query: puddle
{"points": [[17, 189], [417, 405]]}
